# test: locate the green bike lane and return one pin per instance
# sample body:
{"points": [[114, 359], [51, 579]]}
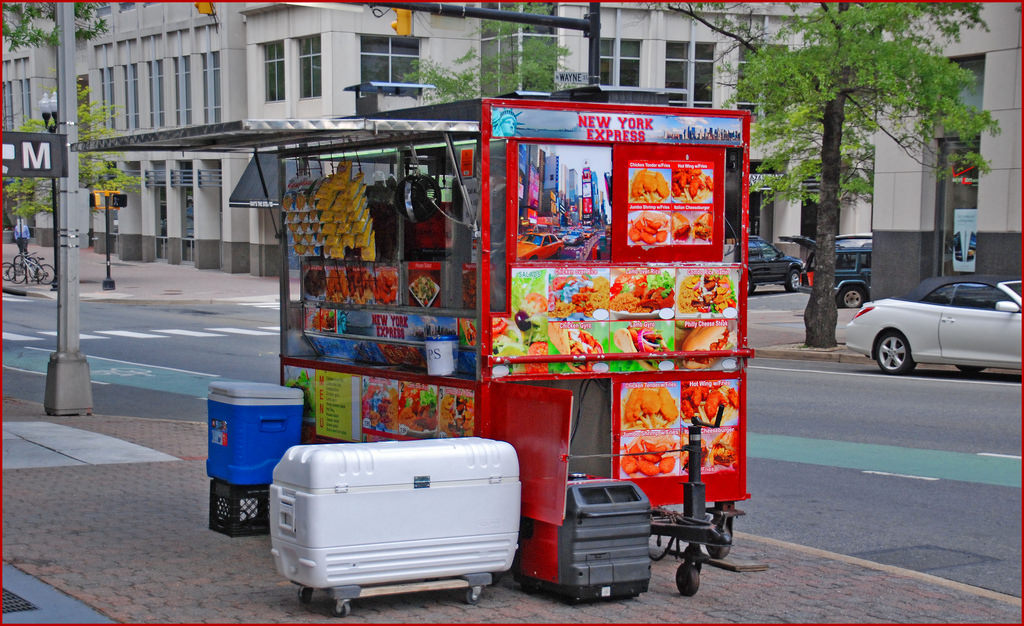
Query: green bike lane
{"points": [[1003, 471]]}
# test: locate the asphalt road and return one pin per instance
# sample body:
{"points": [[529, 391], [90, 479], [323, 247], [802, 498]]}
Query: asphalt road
{"points": [[922, 472]]}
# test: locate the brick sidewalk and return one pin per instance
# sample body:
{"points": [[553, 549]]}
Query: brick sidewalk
{"points": [[133, 542]]}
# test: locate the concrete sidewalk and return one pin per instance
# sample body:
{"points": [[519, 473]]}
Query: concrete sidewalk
{"points": [[130, 542]]}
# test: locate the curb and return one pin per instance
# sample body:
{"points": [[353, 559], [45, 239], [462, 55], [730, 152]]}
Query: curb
{"points": [[809, 354]]}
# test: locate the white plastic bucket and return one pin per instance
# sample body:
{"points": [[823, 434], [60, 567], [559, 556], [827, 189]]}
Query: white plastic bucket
{"points": [[440, 355]]}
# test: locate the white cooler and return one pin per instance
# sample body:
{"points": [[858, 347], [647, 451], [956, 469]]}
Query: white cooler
{"points": [[395, 511]]}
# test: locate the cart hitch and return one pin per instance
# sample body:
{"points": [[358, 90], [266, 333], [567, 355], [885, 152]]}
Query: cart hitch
{"points": [[695, 525]]}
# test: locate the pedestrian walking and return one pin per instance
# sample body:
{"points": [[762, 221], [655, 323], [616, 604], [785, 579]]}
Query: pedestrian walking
{"points": [[21, 235]]}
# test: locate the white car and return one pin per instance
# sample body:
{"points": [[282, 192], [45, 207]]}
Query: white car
{"points": [[969, 321]]}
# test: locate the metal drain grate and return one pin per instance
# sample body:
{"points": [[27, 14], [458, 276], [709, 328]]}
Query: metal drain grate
{"points": [[14, 603]]}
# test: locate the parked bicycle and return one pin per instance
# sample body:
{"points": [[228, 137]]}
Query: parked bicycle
{"points": [[25, 268]]}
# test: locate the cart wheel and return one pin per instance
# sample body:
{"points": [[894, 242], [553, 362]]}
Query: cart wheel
{"points": [[688, 578], [305, 594], [341, 608], [718, 552], [473, 594]]}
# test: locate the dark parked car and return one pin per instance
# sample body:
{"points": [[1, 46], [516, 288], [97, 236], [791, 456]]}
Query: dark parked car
{"points": [[769, 266], [853, 268]]}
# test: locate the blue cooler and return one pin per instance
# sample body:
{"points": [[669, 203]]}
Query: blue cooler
{"points": [[251, 426]]}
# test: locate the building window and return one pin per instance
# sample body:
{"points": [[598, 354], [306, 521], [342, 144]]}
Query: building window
{"points": [[26, 100], [183, 90], [388, 59], [131, 95], [502, 51], [273, 63], [107, 93], [679, 67], [972, 95], [620, 67], [211, 86], [309, 67], [8, 105], [126, 6], [156, 94]]}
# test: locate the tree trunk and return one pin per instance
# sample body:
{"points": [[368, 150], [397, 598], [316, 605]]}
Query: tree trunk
{"points": [[821, 314]]}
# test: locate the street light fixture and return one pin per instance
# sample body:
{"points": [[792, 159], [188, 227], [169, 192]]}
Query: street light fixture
{"points": [[48, 107]]}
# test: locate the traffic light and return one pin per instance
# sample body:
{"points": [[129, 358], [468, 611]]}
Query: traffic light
{"points": [[403, 22]]}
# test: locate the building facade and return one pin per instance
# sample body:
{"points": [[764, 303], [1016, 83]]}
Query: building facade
{"points": [[165, 65]]}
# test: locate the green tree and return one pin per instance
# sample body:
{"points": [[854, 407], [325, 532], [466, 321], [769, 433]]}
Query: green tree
{"points": [[33, 24], [827, 82], [522, 57], [25, 197]]}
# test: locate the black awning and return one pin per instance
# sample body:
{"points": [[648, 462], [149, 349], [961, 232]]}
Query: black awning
{"points": [[260, 185]]}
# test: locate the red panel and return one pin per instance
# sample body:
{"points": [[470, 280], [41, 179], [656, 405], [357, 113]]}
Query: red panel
{"points": [[661, 159], [536, 421]]}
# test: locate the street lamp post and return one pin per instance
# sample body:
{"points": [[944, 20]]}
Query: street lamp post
{"points": [[48, 107]]}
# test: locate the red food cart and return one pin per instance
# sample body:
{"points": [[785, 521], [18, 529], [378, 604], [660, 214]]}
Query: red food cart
{"points": [[587, 256]]}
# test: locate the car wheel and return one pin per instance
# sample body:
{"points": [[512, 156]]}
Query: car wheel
{"points": [[792, 280], [751, 287], [851, 297], [893, 353], [969, 369]]}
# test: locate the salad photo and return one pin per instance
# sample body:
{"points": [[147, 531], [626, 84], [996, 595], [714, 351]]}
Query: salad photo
{"points": [[508, 338]]}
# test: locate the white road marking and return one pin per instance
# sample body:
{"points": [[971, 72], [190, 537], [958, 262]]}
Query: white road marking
{"points": [[899, 475], [53, 333], [241, 331], [16, 337], [880, 376], [261, 305], [276, 329], [186, 333], [131, 334], [1001, 456]]}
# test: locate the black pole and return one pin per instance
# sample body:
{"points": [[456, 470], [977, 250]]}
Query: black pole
{"points": [[594, 33], [56, 234], [108, 282]]}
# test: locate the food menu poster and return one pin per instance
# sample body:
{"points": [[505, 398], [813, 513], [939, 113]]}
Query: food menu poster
{"points": [[424, 284], [586, 311], [651, 419], [328, 400], [669, 204]]}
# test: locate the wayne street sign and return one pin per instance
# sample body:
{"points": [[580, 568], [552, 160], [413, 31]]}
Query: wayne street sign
{"points": [[35, 155]]}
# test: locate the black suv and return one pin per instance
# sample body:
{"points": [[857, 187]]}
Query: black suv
{"points": [[853, 268], [769, 266]]}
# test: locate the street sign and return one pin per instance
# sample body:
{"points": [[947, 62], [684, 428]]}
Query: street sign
{"points": [[35, 155], [572, 78]]}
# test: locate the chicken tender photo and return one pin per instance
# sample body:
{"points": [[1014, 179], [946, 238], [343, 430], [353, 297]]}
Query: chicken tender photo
{"points": [[648, 408], [648, 186]]}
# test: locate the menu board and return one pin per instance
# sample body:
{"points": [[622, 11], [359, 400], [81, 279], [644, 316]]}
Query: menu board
{"points": [[670, 204], [651, 426], [579, 312]]}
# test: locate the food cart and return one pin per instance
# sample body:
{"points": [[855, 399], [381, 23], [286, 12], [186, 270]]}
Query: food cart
{"points": [[576, 268]]}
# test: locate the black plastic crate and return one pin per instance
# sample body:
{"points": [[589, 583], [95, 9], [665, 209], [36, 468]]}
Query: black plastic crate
{"points": [[239, 510]]}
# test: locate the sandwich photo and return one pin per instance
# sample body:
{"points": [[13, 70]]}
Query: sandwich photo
{"points": [[680, 227], [724, 449], [574, 341], [717, 337], [639, 340], [702, 226]]}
